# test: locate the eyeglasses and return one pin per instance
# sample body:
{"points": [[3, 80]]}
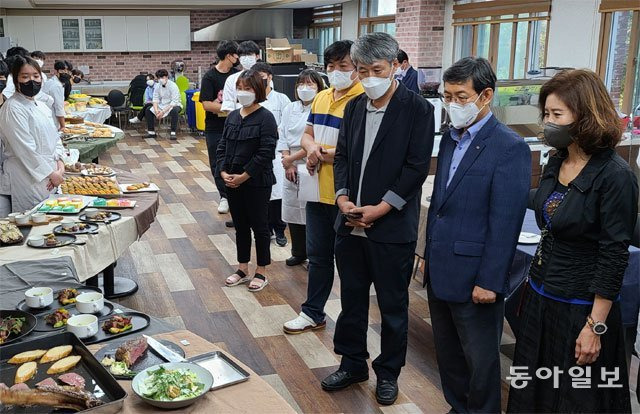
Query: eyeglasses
{"points": [[461, 101]]}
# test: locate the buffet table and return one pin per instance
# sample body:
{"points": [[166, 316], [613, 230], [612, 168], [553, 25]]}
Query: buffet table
{"points": [[91, 148], [94, 114]]}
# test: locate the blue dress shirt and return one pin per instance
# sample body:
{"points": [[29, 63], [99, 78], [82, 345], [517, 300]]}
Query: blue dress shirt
{"points": [[463, 142]]}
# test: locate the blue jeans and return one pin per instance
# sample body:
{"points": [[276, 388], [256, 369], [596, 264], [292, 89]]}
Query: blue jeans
{"points": [[320, 248]]}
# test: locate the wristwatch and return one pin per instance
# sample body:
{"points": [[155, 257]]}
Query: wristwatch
{"points": [[597, 327]]}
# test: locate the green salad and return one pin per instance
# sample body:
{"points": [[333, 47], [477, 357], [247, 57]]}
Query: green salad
{"points": [[171, 385]]}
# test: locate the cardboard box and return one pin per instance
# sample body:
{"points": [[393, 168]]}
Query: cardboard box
{"points": [[279, 50]]}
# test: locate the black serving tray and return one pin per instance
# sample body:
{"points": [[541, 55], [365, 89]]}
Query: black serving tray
{"points": [[149, 359], [114, 217], [139, 321], [55, 304], [97, 378], [27, 327], [43, 326], [92, 228], [25, 230]]}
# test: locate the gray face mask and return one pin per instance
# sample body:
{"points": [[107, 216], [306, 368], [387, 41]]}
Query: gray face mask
{"points": [[557, 136]]}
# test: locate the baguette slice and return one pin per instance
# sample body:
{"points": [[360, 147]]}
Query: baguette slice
{"points": [[64, 364], [56, 353], [25, 372], [27, 356]]}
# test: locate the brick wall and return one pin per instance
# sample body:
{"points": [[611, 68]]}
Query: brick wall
{"points": [[105, 66], [420, 30]]}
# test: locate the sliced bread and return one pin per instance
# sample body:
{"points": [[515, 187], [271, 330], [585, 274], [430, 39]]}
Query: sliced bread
{"points": [[25, 372], [27, 356], [64, 364], [56, 353]]}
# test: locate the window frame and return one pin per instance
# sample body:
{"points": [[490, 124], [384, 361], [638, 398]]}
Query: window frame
{"points": [[369, 21], [322, 13]]}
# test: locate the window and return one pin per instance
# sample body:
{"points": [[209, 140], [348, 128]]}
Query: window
{"points": [[377, 16], [70, 34], [326, 26], [1, 27], [618, 53], [93, 34], [511, 35]]}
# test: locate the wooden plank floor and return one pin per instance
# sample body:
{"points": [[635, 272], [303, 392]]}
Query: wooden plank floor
{"points": [[182, 261]]}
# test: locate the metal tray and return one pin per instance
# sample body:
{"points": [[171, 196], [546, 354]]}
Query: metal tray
{"points": [[97, 379], [139, 321], [27, 327], [43, 326], [225, 372], [55, 305], [149, 359]]}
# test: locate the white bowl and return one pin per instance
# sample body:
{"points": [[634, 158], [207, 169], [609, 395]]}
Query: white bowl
{"points": [[39, 297], [23, 219], [68, 223], [90, 302], [12, 217], [39, 218], [83, 326], [91, 212], [36, 241]]}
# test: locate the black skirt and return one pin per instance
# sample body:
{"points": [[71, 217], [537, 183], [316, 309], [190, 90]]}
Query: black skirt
{"points": [[547, 338]]}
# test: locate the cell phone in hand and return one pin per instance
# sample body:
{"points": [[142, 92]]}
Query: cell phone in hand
{"points": [[352, 216]]}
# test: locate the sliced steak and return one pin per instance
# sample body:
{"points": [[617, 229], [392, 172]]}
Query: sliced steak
{"points": [[72, 379], [18, 387], [131, 351], [46, 382]]}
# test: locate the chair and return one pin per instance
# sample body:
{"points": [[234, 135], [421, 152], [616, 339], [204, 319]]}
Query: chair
{"points": [[117, 101], [183, 83]]}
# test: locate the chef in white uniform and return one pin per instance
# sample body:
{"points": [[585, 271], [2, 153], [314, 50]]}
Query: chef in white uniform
{"points": [[249, 53], [32, 147], [55, 89], [291, 128]]}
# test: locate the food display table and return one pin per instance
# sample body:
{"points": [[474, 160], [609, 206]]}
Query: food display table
{"points": [[91, 148], [97, 114]]}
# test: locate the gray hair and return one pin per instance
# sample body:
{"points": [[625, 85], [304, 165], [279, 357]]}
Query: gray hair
{"points": [[373, 47]]}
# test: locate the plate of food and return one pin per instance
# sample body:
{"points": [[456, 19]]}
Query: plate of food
{"points": [[125, 360], [139, 188], [53, 321], [15, 324], [113, 203], [93, 170], [78, 228], [53, 241], [92, 186], [118, 324], [64, 204], [104, 217], [10, 234], [102, 133], [172, 385], [64, 297]]}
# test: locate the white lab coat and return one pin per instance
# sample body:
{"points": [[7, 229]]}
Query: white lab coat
{"points": [[55, 89], [275, 103], [32, 148], [290, 130], [168, 95], [229, 93]]}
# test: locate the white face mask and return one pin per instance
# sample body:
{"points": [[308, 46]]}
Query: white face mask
{"points": [[247, 62], [375, 87], [340, 80], [246, 98], [399, 71], [306, 93], [463, 115], [40, 63], [150, 82]]}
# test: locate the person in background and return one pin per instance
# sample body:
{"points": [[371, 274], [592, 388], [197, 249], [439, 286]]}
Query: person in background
{"points": [[4, 74], [406, 73], [249, 53], [292, 126], [379, 169], [55, 87], [477, 208], [5, 189], [166, 102], [11, 55], [276, 102], [148, 98], [244, 160], [586, 206], [211, 90], [77, 76], [32, 147], [319, 142], [40, 57]]}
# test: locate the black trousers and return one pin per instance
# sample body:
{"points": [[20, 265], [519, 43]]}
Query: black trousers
{"points": [[276, 225], [388, 266], [467, 339], [249, 207], [213, 138], [173, 115], [298, 240], [143, 111]]}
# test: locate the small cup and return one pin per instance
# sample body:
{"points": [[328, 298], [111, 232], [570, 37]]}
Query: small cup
{"points": [[90, 302], [39, 297], [36, 241], [39, 218], [68, 223], [23, 219], [91, 212], [83, 326], [12, 217]]}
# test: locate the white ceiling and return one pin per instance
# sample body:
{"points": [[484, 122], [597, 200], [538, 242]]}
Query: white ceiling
{"points": [[162, 4]]}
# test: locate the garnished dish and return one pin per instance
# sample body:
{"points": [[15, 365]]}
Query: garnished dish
{"points": [[75, 167], [136, 187], [9, 233], [67, 296], [96, 103], [102, 216], [95, 169], [58, 318], [89, 186], [102, 133], [117, 324], [170, 385], [77, 227], [10, 326], [125, 357], [50, 240]]}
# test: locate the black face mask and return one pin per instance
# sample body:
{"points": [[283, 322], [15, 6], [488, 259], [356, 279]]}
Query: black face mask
{"points": [[76, 79], [3, 84], [557, 136], [30, 89], [64, 77]]}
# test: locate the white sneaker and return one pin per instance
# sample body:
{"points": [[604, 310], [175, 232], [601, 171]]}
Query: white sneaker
{"points": [[134, 120], [223, 207], [302, 324]]}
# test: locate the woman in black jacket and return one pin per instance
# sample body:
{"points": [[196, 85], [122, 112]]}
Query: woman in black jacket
{"points": [[586, 206], [244, 160]]}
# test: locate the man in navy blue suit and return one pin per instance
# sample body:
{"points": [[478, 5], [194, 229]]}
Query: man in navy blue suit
{"points": [[477, 208], [406, 73]]}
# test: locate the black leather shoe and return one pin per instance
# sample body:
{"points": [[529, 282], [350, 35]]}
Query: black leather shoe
{"points": [[295, 260], [342, 379], [386, 391]]}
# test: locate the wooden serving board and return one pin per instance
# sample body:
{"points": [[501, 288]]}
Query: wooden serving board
{"points": [[50, 219]]}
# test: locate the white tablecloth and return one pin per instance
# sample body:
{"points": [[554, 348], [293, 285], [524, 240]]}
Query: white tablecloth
{"points": [[98, 115]]}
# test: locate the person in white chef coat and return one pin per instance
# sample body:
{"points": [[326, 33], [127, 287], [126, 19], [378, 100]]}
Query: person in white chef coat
{"points": [[292, 125], [275, 103], [54, 87], [249, 53], [32, 166], [5, 193]]}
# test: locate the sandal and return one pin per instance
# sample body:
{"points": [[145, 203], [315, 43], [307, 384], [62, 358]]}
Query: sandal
{"points": [[238, 278], [264, 283]]}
